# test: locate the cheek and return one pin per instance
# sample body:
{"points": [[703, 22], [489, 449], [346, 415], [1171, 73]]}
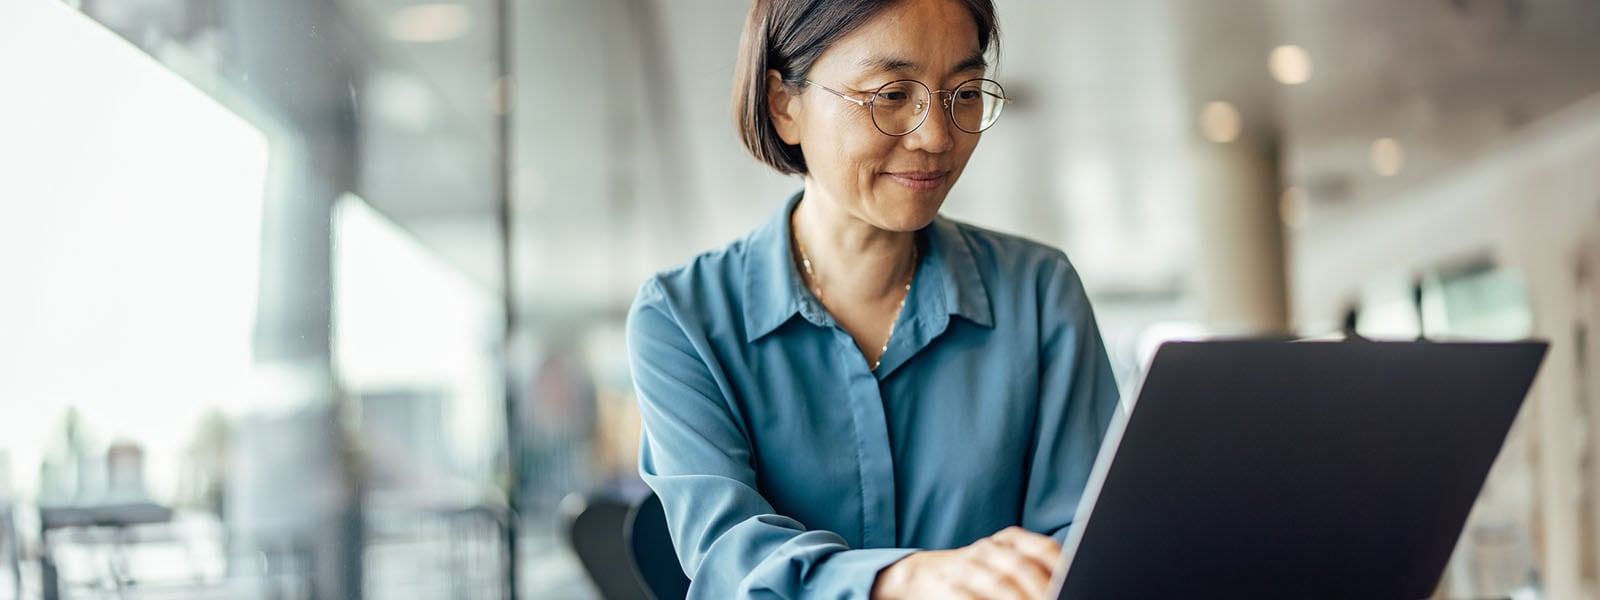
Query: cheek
{"points": [[869, 145], [853, 153], [867, 153]]}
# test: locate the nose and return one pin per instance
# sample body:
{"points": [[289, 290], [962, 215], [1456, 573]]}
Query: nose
{"points": [[936, 134]]}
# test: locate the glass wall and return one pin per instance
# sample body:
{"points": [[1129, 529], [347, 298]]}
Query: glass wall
{"points": [[254, 320]]}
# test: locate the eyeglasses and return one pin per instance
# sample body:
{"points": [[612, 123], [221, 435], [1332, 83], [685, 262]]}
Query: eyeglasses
{"points": [[900, 107]]}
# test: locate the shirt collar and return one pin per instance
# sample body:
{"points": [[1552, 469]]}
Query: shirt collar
{"points": [[951, 264], [774, 292]]}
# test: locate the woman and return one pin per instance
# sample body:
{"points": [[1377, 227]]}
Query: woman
{"points": [[861, 398]]}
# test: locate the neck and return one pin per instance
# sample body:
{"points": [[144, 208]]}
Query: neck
{"points": [[853, 259]]}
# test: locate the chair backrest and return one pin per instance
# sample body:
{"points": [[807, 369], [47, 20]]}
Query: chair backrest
{"points": [[599, 538], [650, 545]]}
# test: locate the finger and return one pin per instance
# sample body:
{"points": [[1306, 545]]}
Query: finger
{"points": [[981, 581], [956, 592], [1018, 535], [940, 576], [946, 584], [1017, 567], [1041, 549]]}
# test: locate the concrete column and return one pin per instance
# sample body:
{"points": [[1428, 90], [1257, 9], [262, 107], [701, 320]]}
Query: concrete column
{"points": [[1239, 266], [293, 503]]}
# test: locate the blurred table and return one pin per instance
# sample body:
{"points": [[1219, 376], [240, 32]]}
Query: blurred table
{"points": [[102, 515], [117, 517]]}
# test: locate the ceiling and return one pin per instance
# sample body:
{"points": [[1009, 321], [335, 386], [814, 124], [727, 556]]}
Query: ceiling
{"points": [[1446, 78], [625, 162]]}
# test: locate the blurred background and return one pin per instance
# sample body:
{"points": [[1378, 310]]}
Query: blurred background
{"points": [[325, 298]]}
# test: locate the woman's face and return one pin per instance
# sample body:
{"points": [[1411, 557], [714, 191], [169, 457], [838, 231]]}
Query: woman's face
{"points": [[892, 183]]}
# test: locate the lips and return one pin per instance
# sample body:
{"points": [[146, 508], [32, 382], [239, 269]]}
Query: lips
{"points": [[920, 181]]}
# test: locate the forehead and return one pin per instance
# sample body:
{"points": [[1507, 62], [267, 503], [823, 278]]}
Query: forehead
{"points": [[912, 37]]}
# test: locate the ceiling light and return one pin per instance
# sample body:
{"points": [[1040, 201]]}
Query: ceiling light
{"points": [[1220, 122], [429, 22], [1290, 65], [1387, 157]]}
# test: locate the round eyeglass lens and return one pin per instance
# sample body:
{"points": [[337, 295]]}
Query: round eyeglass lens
{"points": [[900, 106], [976, 104]]}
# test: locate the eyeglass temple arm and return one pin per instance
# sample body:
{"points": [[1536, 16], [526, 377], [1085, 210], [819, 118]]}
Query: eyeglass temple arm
{"points": [[858, 101], [948, 93], [1002, 98]]}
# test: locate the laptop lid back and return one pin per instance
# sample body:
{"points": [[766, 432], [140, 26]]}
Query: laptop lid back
{"points": [[1257, 469]]}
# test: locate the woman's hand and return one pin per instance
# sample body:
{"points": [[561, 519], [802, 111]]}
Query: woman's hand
{"points": [[1012, 564]]}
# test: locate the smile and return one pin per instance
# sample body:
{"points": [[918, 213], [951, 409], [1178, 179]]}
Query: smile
{"points": [[921, 181]]}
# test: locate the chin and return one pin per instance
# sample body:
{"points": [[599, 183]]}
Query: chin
{"points": [[915, 215]]}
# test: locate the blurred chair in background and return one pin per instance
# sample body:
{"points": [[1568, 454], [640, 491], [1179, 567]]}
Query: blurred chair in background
{"points": [[597, 534], [650, 547]]}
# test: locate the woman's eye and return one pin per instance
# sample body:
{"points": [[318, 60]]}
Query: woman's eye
{"points": [[893, 96], [969, 95]]}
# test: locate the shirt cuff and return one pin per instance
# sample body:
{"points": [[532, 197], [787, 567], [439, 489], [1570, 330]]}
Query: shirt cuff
{"points": [[858, 570]]}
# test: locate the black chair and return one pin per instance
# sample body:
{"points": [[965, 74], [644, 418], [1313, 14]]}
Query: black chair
{"points": [[651, 548], [599, 538]]}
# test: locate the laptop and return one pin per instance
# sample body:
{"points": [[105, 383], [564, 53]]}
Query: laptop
{"points": [[1273, 469]]}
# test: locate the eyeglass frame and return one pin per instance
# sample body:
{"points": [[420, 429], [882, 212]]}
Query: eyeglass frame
{"points": [[948, 108]]}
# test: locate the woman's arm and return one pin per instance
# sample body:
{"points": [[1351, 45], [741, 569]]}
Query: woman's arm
{"points": [[1077, 398], [693, 453]]}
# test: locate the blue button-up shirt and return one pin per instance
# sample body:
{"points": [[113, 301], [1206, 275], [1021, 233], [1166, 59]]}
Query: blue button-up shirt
{"points": [[788, 467]]}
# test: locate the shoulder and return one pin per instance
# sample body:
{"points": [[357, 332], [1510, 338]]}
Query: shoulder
{"points": [[1010, 256], [714, 277], [1032, 285]]}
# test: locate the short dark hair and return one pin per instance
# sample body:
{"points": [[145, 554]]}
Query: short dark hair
{"points": [[788, 36]]}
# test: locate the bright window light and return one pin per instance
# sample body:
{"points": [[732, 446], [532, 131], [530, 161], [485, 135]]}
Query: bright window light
{"points": [[130, 218], [404, 319]]}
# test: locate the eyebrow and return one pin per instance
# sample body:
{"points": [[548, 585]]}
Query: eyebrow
{"points": [[893, 64]]}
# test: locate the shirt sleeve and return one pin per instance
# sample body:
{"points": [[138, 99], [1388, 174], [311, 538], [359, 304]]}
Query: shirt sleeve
{"points": [[697, 457], [1077, 397]]}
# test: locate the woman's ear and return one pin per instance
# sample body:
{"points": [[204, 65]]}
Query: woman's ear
{"points": [[783, 106]]}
